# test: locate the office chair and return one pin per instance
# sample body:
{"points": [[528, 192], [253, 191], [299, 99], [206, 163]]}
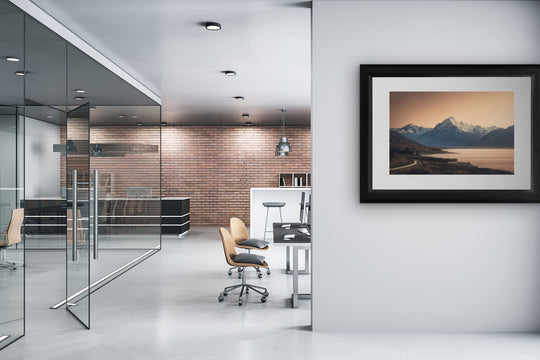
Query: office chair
{"points": [[241, 239], [11, 237], [242, 260]]}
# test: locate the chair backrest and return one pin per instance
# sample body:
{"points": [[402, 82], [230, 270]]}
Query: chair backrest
{"points": [[228, 245], [14, 228], [239, 231]]}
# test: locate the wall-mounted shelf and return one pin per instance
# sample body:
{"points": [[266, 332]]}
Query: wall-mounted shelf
{"points": [[294, 180]]}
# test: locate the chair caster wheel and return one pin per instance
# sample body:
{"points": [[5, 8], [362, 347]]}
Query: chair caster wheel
{"points": [[266, 294], [263, 299], [247, 290], [268, 272], [259, 275], [220, 298], [240, 303], [225, 294], [230, 272]]}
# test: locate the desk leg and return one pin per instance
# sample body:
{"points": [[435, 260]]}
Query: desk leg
{"points": [[288, 249], [295, 277]]}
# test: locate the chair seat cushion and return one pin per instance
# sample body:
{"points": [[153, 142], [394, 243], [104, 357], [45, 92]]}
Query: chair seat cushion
{"points": [[261, 244], [246, 258]]}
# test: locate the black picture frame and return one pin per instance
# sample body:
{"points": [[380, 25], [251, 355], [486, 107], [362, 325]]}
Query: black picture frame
{"points": [[369, 195]]}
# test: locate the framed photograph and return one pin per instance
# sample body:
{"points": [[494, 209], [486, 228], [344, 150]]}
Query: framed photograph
{"points": [[449, 133]]}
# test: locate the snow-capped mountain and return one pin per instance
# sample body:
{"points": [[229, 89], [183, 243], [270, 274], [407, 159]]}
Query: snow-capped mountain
{"points": [[452, 124], [447, 133], [411, 131]]}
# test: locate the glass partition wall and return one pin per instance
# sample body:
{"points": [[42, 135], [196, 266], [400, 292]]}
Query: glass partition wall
{"points": [[12, 271], [61, 111]]}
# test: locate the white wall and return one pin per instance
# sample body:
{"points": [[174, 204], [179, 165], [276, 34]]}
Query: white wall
{"points": [[414, 267], [42, 165]]}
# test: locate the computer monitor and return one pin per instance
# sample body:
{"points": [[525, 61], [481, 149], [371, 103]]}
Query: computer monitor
{"points": [[302, 206]]}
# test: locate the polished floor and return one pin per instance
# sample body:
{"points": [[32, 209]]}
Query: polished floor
{"points": [[166, 308]]}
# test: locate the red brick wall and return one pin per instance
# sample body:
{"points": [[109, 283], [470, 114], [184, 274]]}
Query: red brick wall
{"points": [[217, 165], [214, 165]]}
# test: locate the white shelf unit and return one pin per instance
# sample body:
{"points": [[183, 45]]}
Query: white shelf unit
{"points": [[294, 180]]}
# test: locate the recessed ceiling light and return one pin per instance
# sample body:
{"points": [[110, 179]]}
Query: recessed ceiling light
{"points": [[245, 115], [212, 26], [20, 72], [139, 123], [249, 123], [135, 116], [49, 116], [80, 91], [79, 98], [12, 58], [239, 97], [229, 72], [121, 116], [163, 123]]}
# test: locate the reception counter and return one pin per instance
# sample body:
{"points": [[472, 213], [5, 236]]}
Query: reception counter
{"points": [[291, 211]]}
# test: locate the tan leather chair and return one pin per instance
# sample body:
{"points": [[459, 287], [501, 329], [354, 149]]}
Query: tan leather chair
{"points": [[11, 237], [241, 239], [240, 260]]}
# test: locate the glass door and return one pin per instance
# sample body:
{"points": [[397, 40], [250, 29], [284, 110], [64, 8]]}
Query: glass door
{"points": [[78, 207]]}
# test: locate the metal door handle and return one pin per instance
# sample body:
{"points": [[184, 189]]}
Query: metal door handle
{"points": [[74, 217], [96, 211]]}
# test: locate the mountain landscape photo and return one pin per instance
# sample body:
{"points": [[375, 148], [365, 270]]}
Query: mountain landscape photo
{"points": [[422, 144]]}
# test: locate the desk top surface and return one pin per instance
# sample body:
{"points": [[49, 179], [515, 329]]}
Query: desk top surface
{"points": [[301, 232]]}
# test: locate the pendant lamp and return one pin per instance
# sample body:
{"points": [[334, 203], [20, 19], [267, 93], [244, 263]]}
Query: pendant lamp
{"points": [[283, 147]]}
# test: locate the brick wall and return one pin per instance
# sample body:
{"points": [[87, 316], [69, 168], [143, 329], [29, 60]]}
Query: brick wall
{"points": [[217, 165], [214, 165]]}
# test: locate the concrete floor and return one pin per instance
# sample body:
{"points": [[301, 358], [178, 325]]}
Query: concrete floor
{"points": [[166, 308]]}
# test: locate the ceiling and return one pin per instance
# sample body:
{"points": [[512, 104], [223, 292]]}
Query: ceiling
{"points": [[164, 45]]}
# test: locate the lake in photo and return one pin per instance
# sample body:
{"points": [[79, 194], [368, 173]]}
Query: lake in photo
{"points": [[501, 159]]}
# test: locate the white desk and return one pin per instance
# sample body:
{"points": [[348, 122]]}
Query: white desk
{"points": [[300, 241]]}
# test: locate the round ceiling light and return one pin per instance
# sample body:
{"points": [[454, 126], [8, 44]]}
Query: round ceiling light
{"points": [[20, 72], [79, 98], [245, 115], [12, 58], [121, 116], [80, 91], [49, 116], [249, 123], [229, 73], [139, 124], [212, 26], [163, 123]]}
